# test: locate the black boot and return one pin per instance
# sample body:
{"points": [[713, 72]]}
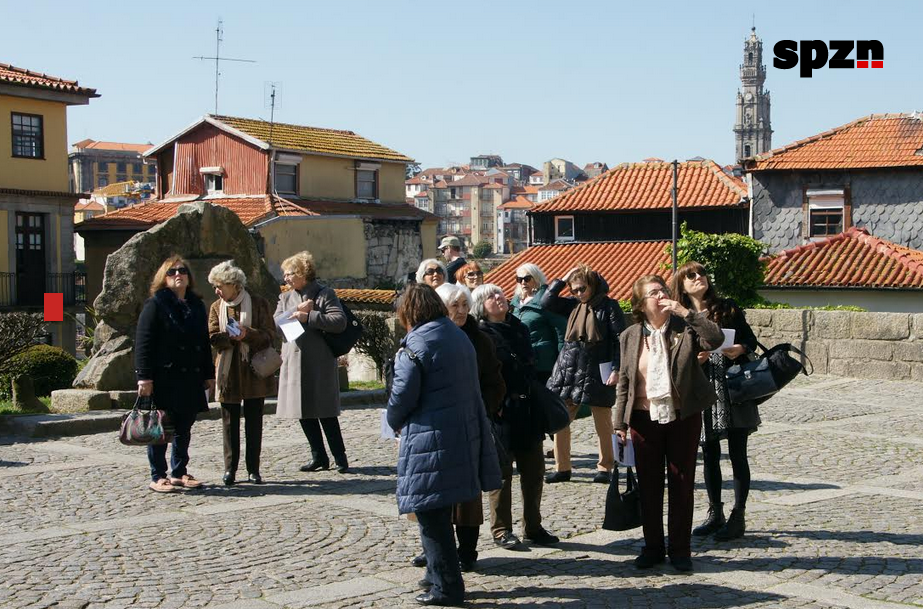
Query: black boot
{"points": [[714, 521], [734, 528]]}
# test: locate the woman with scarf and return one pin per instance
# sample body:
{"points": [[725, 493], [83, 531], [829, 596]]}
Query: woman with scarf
{"points": [[723, 420], [662, 392], [173, 363], [240, 325], [587, 367]]}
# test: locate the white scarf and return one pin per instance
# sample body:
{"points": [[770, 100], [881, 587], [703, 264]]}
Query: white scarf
{"points": [[245, 303], [658, 376]]}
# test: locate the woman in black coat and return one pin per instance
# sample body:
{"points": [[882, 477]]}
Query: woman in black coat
{"points": [[521, 429], [173, 363], [733, 422], [591, 342]]}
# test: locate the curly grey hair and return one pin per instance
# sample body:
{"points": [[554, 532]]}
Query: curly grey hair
{"points": [[482, 294], [430, 262], [227, 272]]}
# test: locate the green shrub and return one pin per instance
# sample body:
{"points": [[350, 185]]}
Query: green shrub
{"points": [[785, 305], [482, 249], [50, 368]]}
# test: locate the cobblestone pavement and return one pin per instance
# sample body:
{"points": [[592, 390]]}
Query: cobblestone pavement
{"points": [[835, 520]]}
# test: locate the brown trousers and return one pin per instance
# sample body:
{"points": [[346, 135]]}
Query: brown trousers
{"points": [[531, 465], [602, 420]]}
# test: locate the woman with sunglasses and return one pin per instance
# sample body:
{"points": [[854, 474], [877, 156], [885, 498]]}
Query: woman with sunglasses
{"points": [[431, 272], [662, 392], [723, 420], [173, 362], [580, 375], [546, 329], [471, 275]]}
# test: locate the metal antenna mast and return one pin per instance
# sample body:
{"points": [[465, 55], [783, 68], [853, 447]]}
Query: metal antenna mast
{"points": [[218, 58]]}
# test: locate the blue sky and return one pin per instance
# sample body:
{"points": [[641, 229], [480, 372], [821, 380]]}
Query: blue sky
{"points": [[442, 81]]}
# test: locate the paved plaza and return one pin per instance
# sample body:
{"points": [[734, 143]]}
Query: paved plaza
{"points": [[835, 520]]}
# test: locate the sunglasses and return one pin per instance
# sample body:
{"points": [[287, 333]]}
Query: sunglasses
{"points": [[180, 270], [579, 291], [429, 272], [695, 274], [525, 279], [474, 274]]}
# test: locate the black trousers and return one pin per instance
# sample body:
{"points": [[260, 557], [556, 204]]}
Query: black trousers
{"points": [[737, 451], [253, 428], [442, 567], [312, 431], [467, 542]]}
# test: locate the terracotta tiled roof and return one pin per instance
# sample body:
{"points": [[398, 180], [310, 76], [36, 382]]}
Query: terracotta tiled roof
{"points": [[313, 139], [852, 259], [878, 140], [44, 193], [648, 185], [85, 205], [376, 297], [556, 185], [495, 186], [620, 263], [537, 173], [118, 146], [470, 179], [519, 202], [142, 216], [28, 78], [524, 190], [417, 179]]}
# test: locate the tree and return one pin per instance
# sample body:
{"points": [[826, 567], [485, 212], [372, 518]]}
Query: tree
{"points": [[18, 332], [482, 249], [376, 341], [731, 260], [411, 170]]}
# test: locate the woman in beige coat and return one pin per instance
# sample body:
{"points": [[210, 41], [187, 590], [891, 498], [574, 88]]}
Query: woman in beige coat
{"points": [[308, 385]]}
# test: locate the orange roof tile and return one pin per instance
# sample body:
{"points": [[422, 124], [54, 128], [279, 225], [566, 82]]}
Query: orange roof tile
{"points": [[620, 263], [313, 139], [28, 78], [878, 140], [852, 259], [85, 205], [519, 202], [648, 185], [377, 297], [142, 216], [119, 146]]}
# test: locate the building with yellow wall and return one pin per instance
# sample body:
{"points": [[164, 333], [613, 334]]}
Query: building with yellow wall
{"points": [[95, 165], [36, 205]]}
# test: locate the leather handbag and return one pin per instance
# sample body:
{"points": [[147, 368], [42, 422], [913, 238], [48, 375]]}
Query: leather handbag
{"points": [[266, 362], [623, 510], [759, 380], [341, 343], [144, 427], [553, 410]]}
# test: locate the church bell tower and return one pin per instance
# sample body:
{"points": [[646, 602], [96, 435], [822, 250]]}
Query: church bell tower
{"points": [[752, 129]]}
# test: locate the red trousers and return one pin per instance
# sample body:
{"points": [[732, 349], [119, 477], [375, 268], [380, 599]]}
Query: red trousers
{"points": [[675, 444]]}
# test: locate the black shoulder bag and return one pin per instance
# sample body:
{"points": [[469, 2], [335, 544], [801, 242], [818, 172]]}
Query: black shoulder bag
{"points": [[759, 380], [341, 343]]}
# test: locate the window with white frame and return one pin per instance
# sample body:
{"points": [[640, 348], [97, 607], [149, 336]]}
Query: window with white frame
{"points": [[564, 228], [367, 180], [214, 183], [826, 213]]}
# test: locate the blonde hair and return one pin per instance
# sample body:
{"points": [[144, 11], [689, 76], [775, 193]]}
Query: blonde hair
{"points": [[227, 272], [301, 264], [160, 277], [533, 271]]}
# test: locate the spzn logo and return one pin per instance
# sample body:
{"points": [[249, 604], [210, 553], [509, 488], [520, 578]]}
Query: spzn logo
{"points": [[814, 54]]}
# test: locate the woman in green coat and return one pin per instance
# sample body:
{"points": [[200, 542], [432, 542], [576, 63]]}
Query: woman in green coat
{"points": [[546, 329]]}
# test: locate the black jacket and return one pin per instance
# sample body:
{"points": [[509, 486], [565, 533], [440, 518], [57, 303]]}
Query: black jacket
{"points": [[576, 372], [172, 349], [514, 350]]}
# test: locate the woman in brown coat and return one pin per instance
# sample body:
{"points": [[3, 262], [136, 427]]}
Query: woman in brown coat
{"points": [[308, 387], [661, 393], [240, 325]]}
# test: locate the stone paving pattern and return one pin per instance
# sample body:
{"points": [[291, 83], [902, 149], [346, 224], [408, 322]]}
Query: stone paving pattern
{"points": [[835, 519]]}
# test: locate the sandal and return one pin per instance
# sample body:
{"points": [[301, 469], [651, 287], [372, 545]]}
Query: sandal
{"points": [[162, 486], [186, 481]]}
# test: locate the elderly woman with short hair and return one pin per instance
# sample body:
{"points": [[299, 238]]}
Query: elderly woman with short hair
{"points": [[431, 272], [546, 329], [240, 325], [519, 423], [308, 387]]}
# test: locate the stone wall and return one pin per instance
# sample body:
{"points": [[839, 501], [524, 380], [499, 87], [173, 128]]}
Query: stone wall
{"points": [[862, 345], [395, 248]]}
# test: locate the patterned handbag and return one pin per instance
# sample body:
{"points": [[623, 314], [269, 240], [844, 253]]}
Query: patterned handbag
{"points": [[266, 362], [145, 427]]}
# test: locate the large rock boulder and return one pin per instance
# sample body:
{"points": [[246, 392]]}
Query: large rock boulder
{"points": [[203, 234]]}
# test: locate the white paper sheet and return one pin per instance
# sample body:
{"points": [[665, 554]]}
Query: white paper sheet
{"points": [[728, 339], [624, 453], [291, 328], [386, 432], [605, 369], [233, 327]]}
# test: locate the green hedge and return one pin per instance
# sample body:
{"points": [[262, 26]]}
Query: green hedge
{"points": [[50, 368]]}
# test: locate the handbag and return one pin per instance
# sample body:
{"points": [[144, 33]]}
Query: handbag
{"points": [[145, 427], [266, 362], [341, 343], [554, 415], [623, 510], [759, 380]]}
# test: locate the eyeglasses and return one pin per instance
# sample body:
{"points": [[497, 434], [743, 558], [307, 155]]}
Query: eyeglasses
{"points": [[579, 291], [658, 292], [429, 272], [474, 274], [695, 274], [525, 279], [180, 270]]}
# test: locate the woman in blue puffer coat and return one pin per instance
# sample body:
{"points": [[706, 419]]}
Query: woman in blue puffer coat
{"points": [[447, 455]]}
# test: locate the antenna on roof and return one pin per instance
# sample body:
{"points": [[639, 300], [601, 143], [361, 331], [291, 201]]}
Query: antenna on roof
{"points": [[218, 58]]}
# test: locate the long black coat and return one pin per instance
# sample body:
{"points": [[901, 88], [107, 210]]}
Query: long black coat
{"points": [[576, 372], [173, 350]]}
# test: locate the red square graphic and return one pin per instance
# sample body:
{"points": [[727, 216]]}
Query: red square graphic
{"points": [[878, 64], [54, 307], [862, 64]]}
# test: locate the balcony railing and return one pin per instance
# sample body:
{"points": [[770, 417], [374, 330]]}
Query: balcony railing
{"points": [[20, 290]]}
